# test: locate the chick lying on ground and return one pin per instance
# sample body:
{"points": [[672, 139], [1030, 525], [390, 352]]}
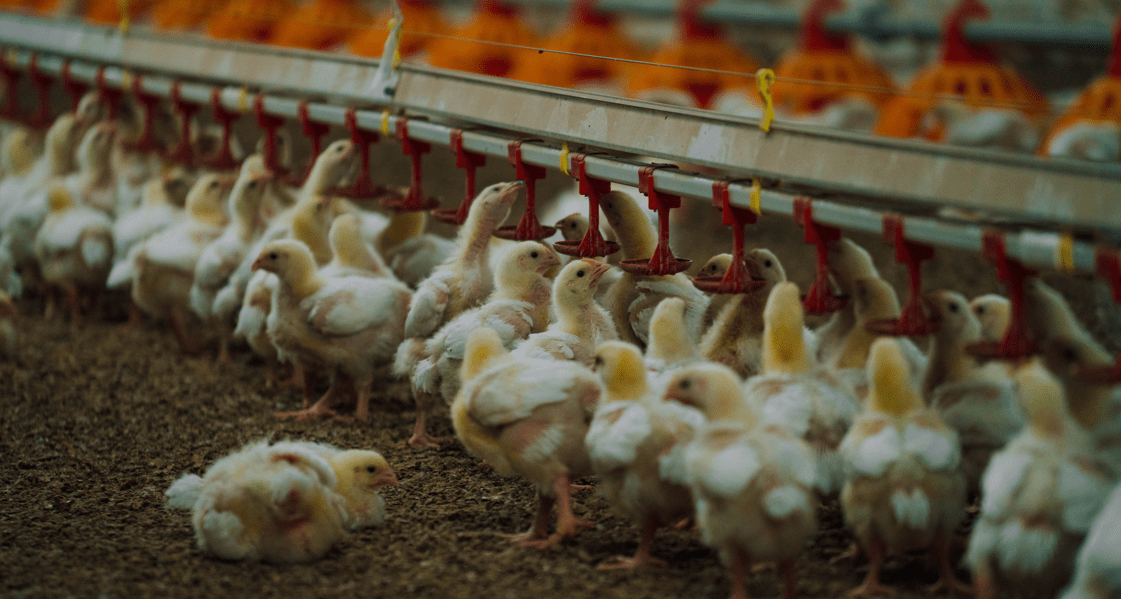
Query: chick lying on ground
{"points": [[287, 502], [1040, 495], [637, 445], [528, 417]]}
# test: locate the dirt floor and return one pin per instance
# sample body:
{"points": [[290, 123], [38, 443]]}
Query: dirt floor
{"points": [[96, 424]]}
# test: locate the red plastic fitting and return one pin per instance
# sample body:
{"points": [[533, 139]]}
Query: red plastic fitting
{"points": [[269, 124], [314, 132], [528, 227], [224, 159], [149, 103], [739, 278], [819, 299], [108, 94], [184, 152], [912, 321], [663, 262], [41, 118], [593, 245], [469, 161], [414, 200], [76, 89], [1017, 344], [363, 187]]}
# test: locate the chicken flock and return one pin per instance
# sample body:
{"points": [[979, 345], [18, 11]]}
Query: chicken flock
{"points": [[724, 413]]}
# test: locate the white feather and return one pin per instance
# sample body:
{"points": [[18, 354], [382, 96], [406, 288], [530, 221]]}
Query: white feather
{"points": [[786, 500], [911, 508], [938, 451], [731, 470], [1025, 551], [184, 492], [877, 452]]}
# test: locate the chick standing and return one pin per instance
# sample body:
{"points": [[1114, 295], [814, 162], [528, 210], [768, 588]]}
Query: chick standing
{"points": [[670, 344], [342, 326], [528, 417], [848, 263], [1097, 574], [637, 444], [792, 390], [580, 324], [75, 249], [994, 312], [1040, 495], [717, 266], [905, 489], [751, 483]]}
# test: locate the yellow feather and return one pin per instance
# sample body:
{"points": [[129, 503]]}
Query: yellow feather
{"points": [[59, 199], [484, 348], [784, 347], [402, 226], [890, 390], [624, 373], [1041, 396]]}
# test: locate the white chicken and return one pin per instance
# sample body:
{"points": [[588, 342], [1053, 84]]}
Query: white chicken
{"points": [[905, 489], [341, 326], [252, 325], [93, 184], [1040, 495], [848, 263], [994, 312], [670, 345], [716, 267], [528, 417], [580, 323], [794, 391], [75, 250], [751, 483], [412, 254], [1097, 573], [637, 444]]}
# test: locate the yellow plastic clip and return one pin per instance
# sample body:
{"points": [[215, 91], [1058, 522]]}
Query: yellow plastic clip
{"points": [[126, 80], [1064, 253], [243, 100], [122, 5], [385, 122], [12, 56], [756, 187], [564, 158], [397, 50], [764, 79]]}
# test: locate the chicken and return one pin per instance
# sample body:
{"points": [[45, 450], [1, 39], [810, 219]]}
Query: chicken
{"points": [[410, 253], [342, 326], [220, 257], [528, 417], [716, 267], [670, 345], [794, 391], [93, 185], [287, 502], [18, 151], [1040, 495], [75, 249], [252, 323], [976, 401], [164, 265], [1097, 573], [581, 324], [457, 285], [736, 337], [161, 205], [518, 307], [352, 257], [994, 312], [9, 338], [632, 298], [905, 489], [751, 483], [848, 263], [637, 443]]}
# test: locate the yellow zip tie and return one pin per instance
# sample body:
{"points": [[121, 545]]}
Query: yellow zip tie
{"points": [[385, 122], [243, 100], [12, 56], [756, 187], [1064, 253], [126, 80], [765, 78], [397, 50], [564, 158], [122, 5]]}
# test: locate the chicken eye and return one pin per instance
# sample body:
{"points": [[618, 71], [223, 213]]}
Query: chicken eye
{"points": [[1069, 354], [573, 225], [273, 256], [766, 263], [979, 310], [598, 361], [371, 469], [252, 185], [213, 185], [339, 149], [579, 273], [533, 254], [953, 308], [685, 383]]}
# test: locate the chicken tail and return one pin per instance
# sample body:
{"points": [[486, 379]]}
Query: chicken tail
{"points": [[409, 354], [786, 500], [184, 492], [1026, 548], [97, 250], [478, 441], [911, 508]]}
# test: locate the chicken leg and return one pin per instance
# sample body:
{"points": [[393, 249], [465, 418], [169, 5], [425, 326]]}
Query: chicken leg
{"points": [[642, 556]]}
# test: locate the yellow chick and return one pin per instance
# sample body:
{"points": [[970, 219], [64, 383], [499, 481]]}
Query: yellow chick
{"points": [[411, 253], [905, 489], [994, 312], [631, 299], [94, 184], [794, 391], [19, 150], [528, 417], [164, 265], [976, 401], [580, 325], [670, 344], [736, 337], [518, 307], [9, 339], [351, 256], [751, 483], [341, 326], [75, 250], [637, 444], [848, 263], [361, 473], [1097, 573], [716, 267], [1040, 495]]}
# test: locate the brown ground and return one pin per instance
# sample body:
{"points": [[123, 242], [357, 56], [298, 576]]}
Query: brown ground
{"points": [[95, 425]]}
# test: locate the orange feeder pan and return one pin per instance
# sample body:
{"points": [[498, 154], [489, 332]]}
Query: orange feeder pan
{"points": [[828, 59], [320, 24], [248, 20], [421, 16], [698, 45], [1100, 101], [108, 12], [494, 21], [588, 32], [970, 73], [173, 15]]}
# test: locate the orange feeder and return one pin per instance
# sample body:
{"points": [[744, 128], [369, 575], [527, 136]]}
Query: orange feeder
{"points": [[248, 20], [495, 22], [421, 16], [970, 73], [589, 32], [697, 45], [175, 15], [108, 12], [829, 59], [320, 24], [1100, 102]]}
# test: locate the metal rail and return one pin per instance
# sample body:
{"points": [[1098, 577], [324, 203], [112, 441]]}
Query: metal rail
{"points": [[309, 71]]}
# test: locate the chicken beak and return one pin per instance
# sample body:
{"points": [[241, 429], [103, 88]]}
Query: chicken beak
{"points": [[598, 270], [389, 477], [753, 270], [258, 264], [931, 301], [510, 193]]}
